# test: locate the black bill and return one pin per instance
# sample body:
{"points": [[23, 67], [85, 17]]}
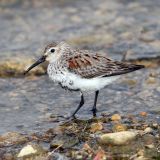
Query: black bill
{"points": [[41, 60]]}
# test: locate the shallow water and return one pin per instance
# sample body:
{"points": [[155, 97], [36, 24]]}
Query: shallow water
{"points": [[27, 104], [114, 27]]}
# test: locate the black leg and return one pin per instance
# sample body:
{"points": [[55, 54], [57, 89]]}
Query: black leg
{"points": [[94, 109], [80, 105]]}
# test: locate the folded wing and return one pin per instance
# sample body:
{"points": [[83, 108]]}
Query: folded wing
{"points": [[96, 65]]}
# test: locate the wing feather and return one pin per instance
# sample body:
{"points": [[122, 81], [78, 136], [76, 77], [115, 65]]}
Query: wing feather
{"points": [[96, 65]]}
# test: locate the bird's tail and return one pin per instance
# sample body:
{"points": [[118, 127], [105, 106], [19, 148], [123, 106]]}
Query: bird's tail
{"points": [[135, 67], [126, 68]]}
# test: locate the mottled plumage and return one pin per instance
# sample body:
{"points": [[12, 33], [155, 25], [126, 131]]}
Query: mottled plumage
{"points": [[96, 65], [82, 70]]}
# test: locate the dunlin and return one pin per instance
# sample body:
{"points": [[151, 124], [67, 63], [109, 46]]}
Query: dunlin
{"points": [[82, 70]]}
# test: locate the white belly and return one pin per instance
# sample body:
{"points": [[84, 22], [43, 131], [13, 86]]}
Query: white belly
{"points": [[75, 82], [93, 84]]}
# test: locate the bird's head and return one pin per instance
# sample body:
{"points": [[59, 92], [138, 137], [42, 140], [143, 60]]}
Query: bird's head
{"points": [[52, 53]]}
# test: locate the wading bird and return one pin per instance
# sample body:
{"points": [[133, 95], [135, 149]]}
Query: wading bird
{"points": [[82, 70]]}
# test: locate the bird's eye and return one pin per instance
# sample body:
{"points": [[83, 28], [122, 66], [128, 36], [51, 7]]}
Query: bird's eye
{"points": [[52, 50]]}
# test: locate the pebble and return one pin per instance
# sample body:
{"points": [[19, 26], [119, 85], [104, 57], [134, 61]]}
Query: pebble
{"points": [[96, 127], [118, 138], [148, 130], [119, 128], [30, 150], [79, 157], [157, 136], [144, 114], [116, 117], [148, 139], [155, 125], [64, 140], [27, 150], [150, 146]]}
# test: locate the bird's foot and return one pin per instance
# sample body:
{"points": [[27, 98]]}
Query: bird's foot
{"points": [[71, 117], [94, 114], [94, 111], [68, 119]]}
